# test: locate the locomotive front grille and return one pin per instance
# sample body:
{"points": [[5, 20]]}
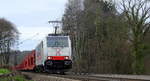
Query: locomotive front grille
{"points": [[57, 64]]}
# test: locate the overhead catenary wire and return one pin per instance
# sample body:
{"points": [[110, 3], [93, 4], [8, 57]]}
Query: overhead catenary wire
{"points": [[30, 38]]}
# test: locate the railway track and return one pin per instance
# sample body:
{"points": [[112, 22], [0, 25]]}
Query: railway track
{"points": [[101, 78], [89, 77]]}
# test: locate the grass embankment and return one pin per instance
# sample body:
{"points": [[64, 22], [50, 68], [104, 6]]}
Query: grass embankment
{"points": [[11, 78], [4, 71], [14, 78]]}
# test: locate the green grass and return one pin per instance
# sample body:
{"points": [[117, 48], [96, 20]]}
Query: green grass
{"points": [[14, 78], [11, 78], [4, 71]]}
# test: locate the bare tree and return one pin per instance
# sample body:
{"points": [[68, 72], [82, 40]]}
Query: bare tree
{"points": [[8, 37], [137, 14], [98, 36]]}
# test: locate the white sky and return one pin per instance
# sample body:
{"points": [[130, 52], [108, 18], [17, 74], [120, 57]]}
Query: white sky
{"points": [[31, 18]]}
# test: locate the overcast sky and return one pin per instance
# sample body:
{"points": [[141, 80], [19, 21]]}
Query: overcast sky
{"points": [[31, 18]]}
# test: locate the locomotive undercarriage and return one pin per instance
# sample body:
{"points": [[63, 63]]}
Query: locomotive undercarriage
{"points": [[57, 66]]}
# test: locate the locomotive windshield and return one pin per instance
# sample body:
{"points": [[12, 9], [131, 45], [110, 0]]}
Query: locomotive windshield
{"points": [[57, 41]]}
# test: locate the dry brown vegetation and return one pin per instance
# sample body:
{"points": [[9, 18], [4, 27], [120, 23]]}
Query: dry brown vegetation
{"points": [[106, 40]]}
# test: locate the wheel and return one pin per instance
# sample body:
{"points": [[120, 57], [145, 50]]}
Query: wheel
{"points": [[62, 72], [36, 69], [39, 69]]}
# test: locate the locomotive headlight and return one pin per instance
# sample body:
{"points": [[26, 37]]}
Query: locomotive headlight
{"points": [[66, 57], [49, 57]]}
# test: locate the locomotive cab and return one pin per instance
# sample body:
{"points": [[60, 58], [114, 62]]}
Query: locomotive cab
{"points": [[54, 53]]}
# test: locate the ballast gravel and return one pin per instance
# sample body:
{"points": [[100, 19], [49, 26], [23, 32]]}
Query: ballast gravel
{"points": [[38, 77]]}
